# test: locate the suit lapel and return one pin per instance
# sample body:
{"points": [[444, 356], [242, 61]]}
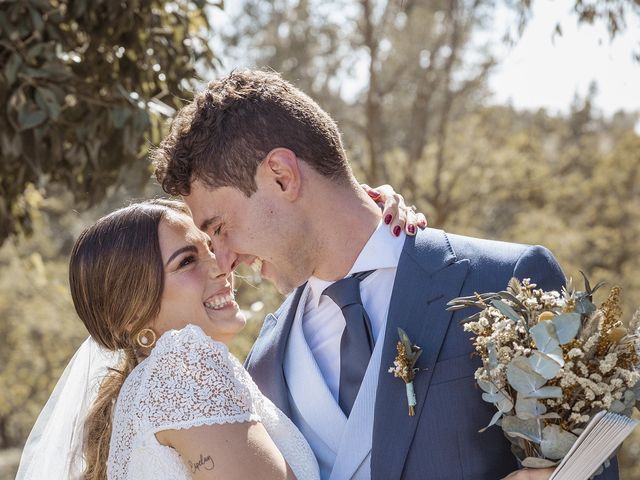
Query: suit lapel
{"points": [[265, 362], [428, 276]]}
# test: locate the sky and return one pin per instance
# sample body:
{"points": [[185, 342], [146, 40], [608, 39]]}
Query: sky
{"points": [[546, 71], [543, 70]]}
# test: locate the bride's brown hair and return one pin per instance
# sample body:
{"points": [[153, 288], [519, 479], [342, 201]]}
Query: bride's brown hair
{"points": [[116, 277]]}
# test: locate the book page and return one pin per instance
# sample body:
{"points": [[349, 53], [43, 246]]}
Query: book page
{"points": [[603, 435]]}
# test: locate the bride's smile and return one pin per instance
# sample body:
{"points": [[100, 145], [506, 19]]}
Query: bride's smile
{"points": [[195, 290]]}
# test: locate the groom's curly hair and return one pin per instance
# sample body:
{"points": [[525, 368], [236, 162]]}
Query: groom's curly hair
{"points": [[222, 136]]}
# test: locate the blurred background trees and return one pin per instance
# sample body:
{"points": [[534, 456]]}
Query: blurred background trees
{"points": [[88, 86], [81, 82]]}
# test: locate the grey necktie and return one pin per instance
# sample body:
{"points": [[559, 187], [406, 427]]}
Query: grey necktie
{"points": [[357, 341]]}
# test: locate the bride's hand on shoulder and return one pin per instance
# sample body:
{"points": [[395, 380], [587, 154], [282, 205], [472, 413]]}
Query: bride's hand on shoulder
{"points": [[395, 211]]}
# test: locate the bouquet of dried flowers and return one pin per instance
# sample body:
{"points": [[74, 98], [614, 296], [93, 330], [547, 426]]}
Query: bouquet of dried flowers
{"points": [[550, 362]]}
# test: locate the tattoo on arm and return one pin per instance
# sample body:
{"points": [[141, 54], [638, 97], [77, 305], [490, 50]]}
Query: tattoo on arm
{"points": [[203, 463]]}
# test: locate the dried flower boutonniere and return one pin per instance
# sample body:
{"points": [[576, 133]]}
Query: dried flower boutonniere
{"points": [[404, 366]]}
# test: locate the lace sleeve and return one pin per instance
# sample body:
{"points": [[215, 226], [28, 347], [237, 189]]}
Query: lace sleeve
{"points": [[193, 381]]}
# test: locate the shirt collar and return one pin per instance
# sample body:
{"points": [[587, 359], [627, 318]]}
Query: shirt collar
{"points": [[382, 250]]}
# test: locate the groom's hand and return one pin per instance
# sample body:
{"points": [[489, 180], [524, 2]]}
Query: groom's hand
{"points": [[530, 474], [396, 213]]}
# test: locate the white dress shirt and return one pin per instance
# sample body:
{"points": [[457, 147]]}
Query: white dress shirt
{"points": [[323, 322]]}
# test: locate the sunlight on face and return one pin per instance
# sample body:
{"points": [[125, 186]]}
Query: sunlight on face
{"points": [[254, 230], [195, 290]]}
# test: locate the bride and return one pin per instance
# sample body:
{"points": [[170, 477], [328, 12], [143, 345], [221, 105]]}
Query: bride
{"points": [[154, 392]]}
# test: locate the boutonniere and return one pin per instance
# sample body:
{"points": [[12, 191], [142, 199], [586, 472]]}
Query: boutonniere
{"points": [[404, 366]]}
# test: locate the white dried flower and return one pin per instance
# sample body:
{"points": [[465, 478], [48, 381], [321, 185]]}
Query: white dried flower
{"points": [[609, 362], [575, 353]]}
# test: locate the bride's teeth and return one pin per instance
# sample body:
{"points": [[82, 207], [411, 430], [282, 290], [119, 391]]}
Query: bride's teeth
{"points": [[220, 302], [256, 265]]}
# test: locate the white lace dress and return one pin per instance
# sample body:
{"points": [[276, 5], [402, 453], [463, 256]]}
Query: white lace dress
{"points": [[191, 380]]}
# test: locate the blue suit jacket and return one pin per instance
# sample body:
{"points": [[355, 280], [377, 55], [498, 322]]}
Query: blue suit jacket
{"points": [[442, 440]]}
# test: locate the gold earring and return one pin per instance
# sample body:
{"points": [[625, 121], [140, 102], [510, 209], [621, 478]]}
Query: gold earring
{"points": [[143, 338]]}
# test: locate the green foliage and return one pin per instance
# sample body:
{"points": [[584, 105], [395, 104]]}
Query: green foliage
{"points": [[39, 330], [85, 85]]}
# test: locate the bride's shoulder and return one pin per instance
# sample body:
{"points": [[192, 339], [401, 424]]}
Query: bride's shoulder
{"points": [[188, 376], [184, 339], [189, 352]]}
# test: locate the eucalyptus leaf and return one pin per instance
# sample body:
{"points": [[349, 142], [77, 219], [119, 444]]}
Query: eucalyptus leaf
{"points": [[522, 377], [617, 406], [567, 326], [546, 392], [527, 408], [556, 442], [505, 404], [550, 416], [493, 421], [584, 306], [492, 397], [488, 387], [528, 429], [544, 365], [544, 335]]}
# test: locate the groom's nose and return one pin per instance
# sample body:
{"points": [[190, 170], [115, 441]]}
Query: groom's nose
{"points": [[225, 257]]}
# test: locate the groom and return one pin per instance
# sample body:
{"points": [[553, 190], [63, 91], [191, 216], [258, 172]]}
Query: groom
{"points": [[264, 172]]}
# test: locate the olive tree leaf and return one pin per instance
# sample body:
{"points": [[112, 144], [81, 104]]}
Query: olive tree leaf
{"points": [[506, 310], [11, 67], [28, 119]]}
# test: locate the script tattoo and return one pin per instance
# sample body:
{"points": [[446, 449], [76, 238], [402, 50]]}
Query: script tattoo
{"points": [[205, 463]]}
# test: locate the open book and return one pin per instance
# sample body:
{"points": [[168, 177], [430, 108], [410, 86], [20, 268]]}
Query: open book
{"points": [[603, 435]]}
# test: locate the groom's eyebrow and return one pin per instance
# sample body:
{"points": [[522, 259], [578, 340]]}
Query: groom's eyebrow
{"points": [[204, 226]]}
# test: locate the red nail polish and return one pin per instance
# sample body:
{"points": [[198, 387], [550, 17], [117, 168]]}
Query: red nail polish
{"points": [[374, 194], [412, 229], [388, 219], [396, 230]]}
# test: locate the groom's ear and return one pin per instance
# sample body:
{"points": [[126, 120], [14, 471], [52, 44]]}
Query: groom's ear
{"points": [[280, 170]]}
